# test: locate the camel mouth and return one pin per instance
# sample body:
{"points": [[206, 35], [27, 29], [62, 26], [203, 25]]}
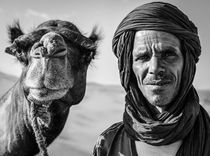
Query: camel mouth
{"points": [[45, 90], [45, 94]]}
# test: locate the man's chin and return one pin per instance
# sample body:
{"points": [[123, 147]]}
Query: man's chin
{"points": [[159, 100], [159, 95]]}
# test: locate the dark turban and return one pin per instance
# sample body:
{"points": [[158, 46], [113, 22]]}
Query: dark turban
{"points": [[184, 119]]}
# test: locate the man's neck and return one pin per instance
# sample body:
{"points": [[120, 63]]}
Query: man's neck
{"points": [[160, 109], [149, 150]]}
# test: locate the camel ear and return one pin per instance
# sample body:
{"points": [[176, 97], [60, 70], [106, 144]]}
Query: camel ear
{"points": [[14, 31], [95, 37]]}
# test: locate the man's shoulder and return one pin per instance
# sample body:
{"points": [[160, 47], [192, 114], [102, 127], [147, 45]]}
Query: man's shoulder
{"points": [[113, 129], [109, 134], [106, 138]]}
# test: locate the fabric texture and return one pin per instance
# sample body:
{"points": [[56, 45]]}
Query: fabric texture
{"points": [[184, 119], [115, 142]]}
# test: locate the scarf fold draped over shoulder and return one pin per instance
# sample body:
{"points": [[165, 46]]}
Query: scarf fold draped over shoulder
{"points": [[185, 119]]}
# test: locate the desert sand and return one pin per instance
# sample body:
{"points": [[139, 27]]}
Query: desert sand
{"points": [[102, 106]]}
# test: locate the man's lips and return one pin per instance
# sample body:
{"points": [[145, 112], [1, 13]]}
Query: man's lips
{"points": [[158, 86], [158, 82]]}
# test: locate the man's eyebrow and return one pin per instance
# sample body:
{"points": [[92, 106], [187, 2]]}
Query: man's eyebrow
{"points": [[170, 48], [139, 54]]}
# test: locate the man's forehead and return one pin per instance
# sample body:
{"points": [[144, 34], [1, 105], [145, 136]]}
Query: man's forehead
{"points": [[149, 37]]}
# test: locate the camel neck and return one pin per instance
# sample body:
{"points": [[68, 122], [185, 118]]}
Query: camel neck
{"points": [[14, 119], [16, 131]]}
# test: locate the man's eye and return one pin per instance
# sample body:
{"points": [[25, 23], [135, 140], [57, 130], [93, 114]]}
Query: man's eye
{"points": [[143, 57], [168, 53]]}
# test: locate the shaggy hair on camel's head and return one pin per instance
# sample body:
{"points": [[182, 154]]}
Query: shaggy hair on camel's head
{"points": [[69, 31]]}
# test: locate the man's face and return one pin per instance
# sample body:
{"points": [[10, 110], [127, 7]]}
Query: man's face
{"points": [[157, 65]]}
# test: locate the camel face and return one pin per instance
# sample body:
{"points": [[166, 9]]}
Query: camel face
{"points": [[55, 57], [49, 74]]}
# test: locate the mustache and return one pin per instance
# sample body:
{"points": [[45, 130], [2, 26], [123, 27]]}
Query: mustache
{"points": [[166, 79]]}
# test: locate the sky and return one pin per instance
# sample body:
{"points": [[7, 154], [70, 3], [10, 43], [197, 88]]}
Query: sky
{"points": [[106, 14]]}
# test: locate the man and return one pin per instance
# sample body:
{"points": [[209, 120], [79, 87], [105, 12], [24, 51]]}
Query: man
{"points": [[157, 47]]}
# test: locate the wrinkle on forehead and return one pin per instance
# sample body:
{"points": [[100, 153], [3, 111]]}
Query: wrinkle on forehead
{"points": [[146, 36], [155, 39]]}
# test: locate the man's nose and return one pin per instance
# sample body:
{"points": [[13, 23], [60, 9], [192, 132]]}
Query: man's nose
{"points": [[156, 65]]}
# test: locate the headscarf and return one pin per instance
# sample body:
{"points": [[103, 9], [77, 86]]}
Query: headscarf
{"points": [[184, 119]]}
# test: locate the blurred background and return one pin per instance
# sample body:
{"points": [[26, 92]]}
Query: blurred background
{"points": [[103, 103], [107, 14]]}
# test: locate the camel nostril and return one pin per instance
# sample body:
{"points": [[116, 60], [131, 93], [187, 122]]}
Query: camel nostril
{"points": [[54, 43], [60, 52], [37, 45], [39, 52], [50, 45]]}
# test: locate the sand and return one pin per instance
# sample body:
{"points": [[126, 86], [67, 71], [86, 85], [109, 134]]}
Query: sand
{"points": [[102, 106]]}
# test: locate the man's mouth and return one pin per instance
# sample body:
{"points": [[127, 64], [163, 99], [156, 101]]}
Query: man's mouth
{"points": [[158, 82]]}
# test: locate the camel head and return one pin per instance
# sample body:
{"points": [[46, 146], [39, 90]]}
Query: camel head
{"points": [[55, 57]]}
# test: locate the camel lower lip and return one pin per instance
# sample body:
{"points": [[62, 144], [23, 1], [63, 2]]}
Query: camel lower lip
{"points": [[45, 91], [40, 91], [44, 94]]}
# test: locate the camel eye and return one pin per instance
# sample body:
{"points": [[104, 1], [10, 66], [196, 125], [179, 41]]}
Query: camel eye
{"points": [[21, 56], [19, 52]]}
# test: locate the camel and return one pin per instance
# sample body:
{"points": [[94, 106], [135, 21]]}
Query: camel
{"points": [[55, 57]]}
